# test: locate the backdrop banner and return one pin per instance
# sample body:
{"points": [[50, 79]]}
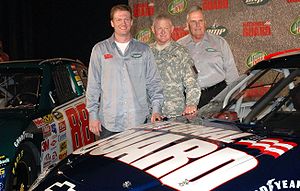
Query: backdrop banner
{"points": [[253, 28]]}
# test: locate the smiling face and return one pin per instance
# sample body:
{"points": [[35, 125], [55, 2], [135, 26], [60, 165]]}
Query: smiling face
{"points": [[121, 22], [162, 29], [196, 24]]}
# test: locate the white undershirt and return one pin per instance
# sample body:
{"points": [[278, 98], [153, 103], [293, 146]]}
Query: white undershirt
{"points": [[122, 46]]}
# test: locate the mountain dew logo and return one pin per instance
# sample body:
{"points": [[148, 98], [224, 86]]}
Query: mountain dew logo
{"points": [[217, 30], [177, 7], [255, 57], [255, 2], [145, 35], [295, 27]]}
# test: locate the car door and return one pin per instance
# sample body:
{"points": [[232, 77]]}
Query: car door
{"points": [[66, 128]]}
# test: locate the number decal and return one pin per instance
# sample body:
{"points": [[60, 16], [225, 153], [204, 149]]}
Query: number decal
{"points": [[78, 120]]}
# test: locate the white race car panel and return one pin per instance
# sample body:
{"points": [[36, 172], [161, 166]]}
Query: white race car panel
{"points": [[64, 131]]}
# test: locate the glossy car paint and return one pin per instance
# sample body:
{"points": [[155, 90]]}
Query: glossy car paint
{"points": [[234, 150]]}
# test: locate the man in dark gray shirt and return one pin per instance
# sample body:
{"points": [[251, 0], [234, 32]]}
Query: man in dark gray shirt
{"points": [[122, 78]]}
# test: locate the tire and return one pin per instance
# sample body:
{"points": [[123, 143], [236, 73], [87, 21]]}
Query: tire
{"points": [[24, 168]]}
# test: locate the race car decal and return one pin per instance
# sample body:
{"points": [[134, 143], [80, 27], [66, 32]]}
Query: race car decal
{"points": [[58, 185], [270, 146], [78, 120], [22, 137], [192, 164], [39, 122], [3, 170], [274, 184], [64, 131]]}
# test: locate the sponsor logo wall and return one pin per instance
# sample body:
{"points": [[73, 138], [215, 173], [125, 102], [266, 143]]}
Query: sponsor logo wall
{"points": [[253, 28]]}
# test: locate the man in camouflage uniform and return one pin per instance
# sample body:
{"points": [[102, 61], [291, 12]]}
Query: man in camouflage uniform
{"points": [[175, 65]]}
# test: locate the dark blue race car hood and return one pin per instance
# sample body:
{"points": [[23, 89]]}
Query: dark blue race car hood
{"points": [[174, 156]]}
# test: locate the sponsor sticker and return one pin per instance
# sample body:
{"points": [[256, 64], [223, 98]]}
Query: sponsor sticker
{"points": [[284, 184], [39, 122], [62, 126], [53, 141], [271, 146], [254, 58], [46, 160], [58, 115], [53, 128], [22, 137], [63, 146], [62, 137], [177, 6], [62, 155], [57, 186], [48, 119], [4, 161], [46, 131], [2, 172], [45, 145]]}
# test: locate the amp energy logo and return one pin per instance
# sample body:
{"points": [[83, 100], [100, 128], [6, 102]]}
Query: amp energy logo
{"points": [[217, 30]]}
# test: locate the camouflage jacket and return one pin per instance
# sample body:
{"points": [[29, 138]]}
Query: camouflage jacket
{"points": [[179, 80]]}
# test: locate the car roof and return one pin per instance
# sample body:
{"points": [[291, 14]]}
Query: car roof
{"points": [[37, 62], [284, 59]]}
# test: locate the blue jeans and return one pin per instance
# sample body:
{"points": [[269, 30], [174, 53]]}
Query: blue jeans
{"points": [[106, 133]]}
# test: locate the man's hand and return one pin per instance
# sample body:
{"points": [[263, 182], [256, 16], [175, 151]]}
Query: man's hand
{"points": [[155, 117], [190, 110], [95, 127]]}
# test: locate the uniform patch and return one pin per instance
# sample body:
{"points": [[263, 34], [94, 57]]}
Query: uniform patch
{"points": [[107, 56], [210, 50], [136, 55]]}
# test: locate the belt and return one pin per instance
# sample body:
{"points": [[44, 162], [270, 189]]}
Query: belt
{"points": [[214, 86]]}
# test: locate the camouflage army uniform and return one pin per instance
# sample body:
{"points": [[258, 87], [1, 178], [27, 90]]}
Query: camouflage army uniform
{"points": [[175, 67]]}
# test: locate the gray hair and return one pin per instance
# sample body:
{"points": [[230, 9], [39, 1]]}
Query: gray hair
{"points": [[194, 8], [161, 17]]}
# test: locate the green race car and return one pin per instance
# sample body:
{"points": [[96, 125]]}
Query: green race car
{"points": [[42, 117]]}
